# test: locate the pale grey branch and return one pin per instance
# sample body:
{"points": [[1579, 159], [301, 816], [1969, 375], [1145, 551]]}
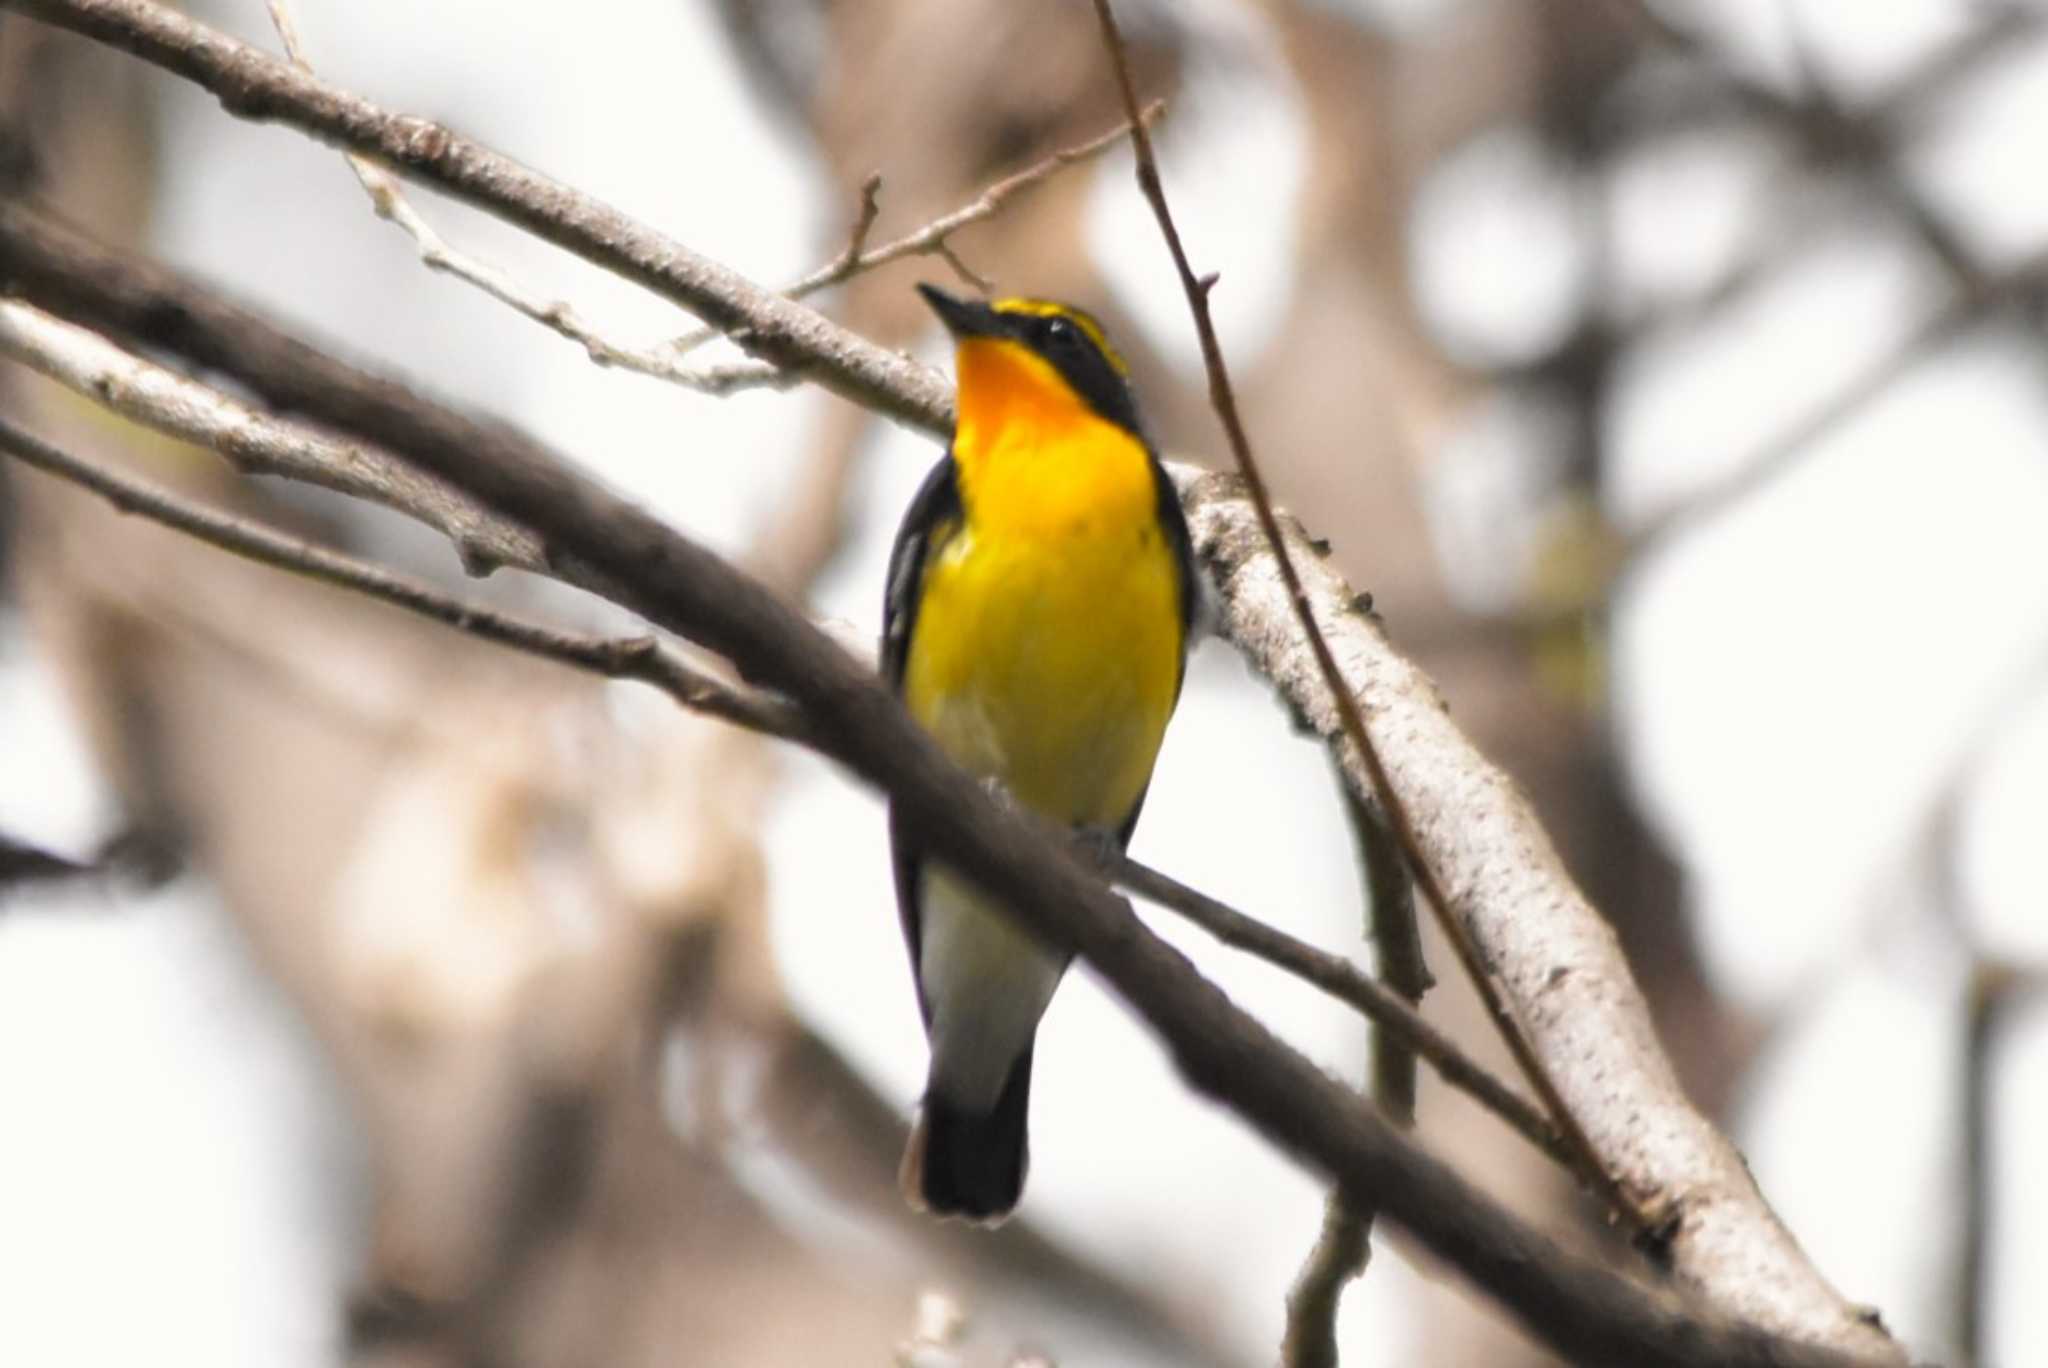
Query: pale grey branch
{"points": [[166, 402], [1558, 964], [1557, 960], [191, 411]]}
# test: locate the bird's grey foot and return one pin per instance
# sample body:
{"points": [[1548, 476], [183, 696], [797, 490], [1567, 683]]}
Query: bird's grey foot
{"points": [[1101, 846]]}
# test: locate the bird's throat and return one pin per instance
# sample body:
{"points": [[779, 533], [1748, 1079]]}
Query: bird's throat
{"points": [[1033, 457]]}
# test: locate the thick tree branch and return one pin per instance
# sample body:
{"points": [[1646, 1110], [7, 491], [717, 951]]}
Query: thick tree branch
{"points": [[1553, 953], [252, 84], [651, 661], [67, 272], [1581, 1307], [645, 658], [1558, 960], [185, 410], [255, 443], [155, 307]]}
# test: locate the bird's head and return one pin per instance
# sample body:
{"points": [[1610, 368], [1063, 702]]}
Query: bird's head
{"points": [[1018, 357]]}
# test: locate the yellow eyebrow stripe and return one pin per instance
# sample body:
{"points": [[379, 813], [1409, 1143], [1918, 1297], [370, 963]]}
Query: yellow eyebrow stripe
{"points": [[1045, 308]]}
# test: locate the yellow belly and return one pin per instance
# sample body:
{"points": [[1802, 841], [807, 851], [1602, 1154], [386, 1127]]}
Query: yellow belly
{"points": [[1048, 657]]}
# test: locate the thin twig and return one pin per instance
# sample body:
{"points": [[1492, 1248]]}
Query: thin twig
{"points": [[1343, 980], [935, 238], [1555, 954], [1337, 1259], [847, 264], [1585, 1159], [1398, 942], [645, 657], [664, 361], [1981, 1014], [1992, 991], [1344, 1244], [437, 254]]}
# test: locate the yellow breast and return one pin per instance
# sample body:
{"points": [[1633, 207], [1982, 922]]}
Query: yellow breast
{"points": [[1047, 647]]}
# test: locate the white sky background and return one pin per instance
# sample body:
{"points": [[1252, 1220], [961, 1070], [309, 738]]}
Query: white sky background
{"points": [[1796, 682]]}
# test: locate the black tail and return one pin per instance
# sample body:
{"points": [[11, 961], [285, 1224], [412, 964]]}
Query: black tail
{"points": [[962, 1163]]}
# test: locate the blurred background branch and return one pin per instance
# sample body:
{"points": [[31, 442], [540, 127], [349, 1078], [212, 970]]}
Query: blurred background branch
{"points": [[650, 660], [1702, 1196], [1548, 276], [1582, 1306]]}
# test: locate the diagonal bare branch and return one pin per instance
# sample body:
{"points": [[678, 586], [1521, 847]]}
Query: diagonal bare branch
{"points": [[186, 410], [1343, 980], [1970, 307], [252, 84], [1580, 1306], [255, 442], [1557, 961], [438, 254], [1586, 1162]]}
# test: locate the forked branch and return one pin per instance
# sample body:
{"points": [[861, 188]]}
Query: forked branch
{"points": [[187, 410], [1585, 1161], [1557, 962]]}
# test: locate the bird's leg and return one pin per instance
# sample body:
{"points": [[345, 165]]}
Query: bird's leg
{"points": [[1098, 844]]}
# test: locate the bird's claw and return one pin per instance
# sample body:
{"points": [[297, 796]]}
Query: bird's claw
{"points": [[1100, 845]]}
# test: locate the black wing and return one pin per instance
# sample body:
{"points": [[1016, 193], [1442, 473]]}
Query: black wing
{"points": [[933, 517], [1175, 525]]}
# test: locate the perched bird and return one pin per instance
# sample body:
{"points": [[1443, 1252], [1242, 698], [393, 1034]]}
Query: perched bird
{"points": [[1040, 598]]}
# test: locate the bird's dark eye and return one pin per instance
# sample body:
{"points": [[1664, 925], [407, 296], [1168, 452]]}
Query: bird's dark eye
{"points": [[1061, 333]]}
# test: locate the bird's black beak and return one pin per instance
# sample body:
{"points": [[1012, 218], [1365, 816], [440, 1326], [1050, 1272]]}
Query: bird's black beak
{"points": [[962, 317]]}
